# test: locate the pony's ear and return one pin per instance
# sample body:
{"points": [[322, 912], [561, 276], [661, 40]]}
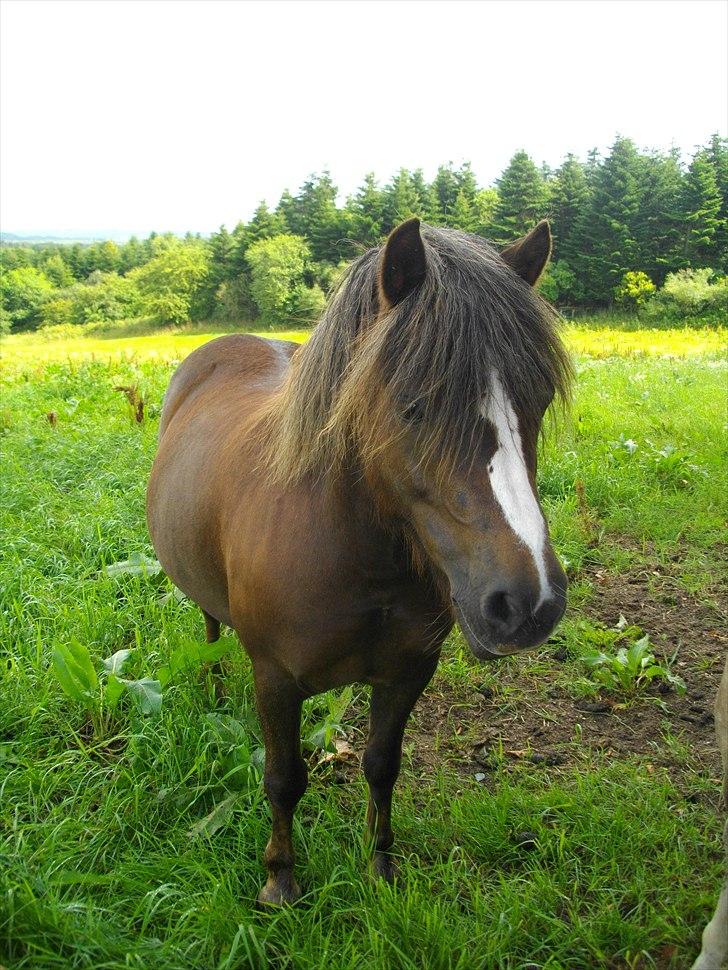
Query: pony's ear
{"points": [[404, 264], [528, 256]]}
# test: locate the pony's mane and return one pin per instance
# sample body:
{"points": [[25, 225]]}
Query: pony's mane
{"points": [[366, 365]]}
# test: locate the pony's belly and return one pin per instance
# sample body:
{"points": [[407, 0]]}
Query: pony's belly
{"points": [[384, 646]]}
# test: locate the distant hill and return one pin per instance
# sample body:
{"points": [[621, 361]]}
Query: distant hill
{"points": [[13, 239]]}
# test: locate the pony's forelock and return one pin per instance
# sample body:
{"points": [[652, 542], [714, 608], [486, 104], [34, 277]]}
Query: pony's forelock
{"points": [[365, 367]]}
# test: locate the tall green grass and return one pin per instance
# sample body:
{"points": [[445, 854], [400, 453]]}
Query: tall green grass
{"points": [[111, 851]]}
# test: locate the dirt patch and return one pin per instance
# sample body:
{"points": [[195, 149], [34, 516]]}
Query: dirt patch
{"points": [[528, 713], [545, 724]]}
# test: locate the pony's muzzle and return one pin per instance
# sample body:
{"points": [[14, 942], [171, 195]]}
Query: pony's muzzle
{"points": [[507, 620], [512, 619]]}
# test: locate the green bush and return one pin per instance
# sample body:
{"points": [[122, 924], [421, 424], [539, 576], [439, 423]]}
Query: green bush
{"points": [[169, 283], [101, 298], [57, 312], [306, 304], [279, 267], [698, 297], [233, 301], [559, 284], [24, 291], [635, 289]]}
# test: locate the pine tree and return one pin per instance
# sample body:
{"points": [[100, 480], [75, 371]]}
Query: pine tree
{"points": [[569, 196], [604, 242], [401, 200], [657, 223], [717, 152], [463, 215], [701, 212], [485, 204], [366, 209], [522, 199], [445, 188], [265, 224]]}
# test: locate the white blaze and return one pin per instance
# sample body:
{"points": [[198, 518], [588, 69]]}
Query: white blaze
{"points": [[510, 482]]}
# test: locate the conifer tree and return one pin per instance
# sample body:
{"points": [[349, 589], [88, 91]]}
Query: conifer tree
{"points": [[604, 244], [366, 209], [569, 196], [522, 199], [401, 200], [717, 152], [701, 212]]}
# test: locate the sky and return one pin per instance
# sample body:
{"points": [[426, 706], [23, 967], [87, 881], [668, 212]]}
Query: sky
{"points": [[121, 116]]}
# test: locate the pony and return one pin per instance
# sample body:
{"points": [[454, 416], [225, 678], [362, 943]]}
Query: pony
{"points": [[342, 503], [714, 950]]}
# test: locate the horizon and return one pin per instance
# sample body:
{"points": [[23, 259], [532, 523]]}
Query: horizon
{"points": [[187, 136], [122, 236]]}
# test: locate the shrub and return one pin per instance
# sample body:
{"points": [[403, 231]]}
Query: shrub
{"points": [[102, 298], [279, 266], [306, 304], [24, 291], [635, 289], [697, 296], [233, 301], [57, 312], [559, 284], [168, 284]]}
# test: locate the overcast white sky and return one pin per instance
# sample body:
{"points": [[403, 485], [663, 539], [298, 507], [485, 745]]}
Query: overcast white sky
{"points": [[123, 117]]}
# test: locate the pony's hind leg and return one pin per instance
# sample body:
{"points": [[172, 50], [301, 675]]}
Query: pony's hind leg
{"points": [[279, 702], [389, 710], [212, 635], [212, 627]]}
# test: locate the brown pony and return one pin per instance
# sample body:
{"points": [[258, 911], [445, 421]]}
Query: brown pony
{"points": [[340, 504]]}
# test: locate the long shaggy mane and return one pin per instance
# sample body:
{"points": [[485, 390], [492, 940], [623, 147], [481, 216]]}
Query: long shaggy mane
{"points": [[367, 368]]}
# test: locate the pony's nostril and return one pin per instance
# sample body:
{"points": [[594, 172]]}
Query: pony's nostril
{"points": [[502, 610]]}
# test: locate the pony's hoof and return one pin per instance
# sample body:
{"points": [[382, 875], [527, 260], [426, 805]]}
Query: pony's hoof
{"points": [[384, 867], [279, 893]]}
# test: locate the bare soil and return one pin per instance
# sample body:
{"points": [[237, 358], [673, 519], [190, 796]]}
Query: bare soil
{"points": [[529, 715]]}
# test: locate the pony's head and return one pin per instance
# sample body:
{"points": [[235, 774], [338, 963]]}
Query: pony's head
{"points": [[431, 371]]}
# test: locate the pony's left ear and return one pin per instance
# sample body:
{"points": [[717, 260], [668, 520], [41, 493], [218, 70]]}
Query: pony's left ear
{"points": [[528, 256], [404, 264]]}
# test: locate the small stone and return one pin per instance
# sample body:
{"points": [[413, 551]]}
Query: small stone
{"points": [[597, 707], [479, 776], [561, 654], [487, 692], [526, 840]]}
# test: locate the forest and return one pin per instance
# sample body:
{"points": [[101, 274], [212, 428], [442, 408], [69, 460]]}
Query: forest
{"points": [[639, 230]]}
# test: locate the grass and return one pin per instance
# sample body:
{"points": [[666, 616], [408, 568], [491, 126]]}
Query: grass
{"points": [[112, 853]]}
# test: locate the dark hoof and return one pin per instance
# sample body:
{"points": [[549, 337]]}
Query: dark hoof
{"points": [[279, 893], [384, 867]]}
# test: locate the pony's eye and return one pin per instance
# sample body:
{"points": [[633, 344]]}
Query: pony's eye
{"points": [[414, 412]]}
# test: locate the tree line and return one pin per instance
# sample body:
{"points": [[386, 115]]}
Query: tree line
{"points": [[622, 224]]}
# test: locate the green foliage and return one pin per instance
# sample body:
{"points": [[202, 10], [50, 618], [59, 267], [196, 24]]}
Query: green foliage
{"points": [[559, 284], [629, 212], [522, 199], [75, 672], [630, 670], [169, 283], [691, 295], [635, 289], [278, 267], [24, 291], [142, 847], [325, 731], [102, 297]]}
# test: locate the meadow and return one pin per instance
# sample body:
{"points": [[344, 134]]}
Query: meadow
{"points": [[555, 810]]}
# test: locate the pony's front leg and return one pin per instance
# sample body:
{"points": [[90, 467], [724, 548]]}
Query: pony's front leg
{"points": [[279, 705], [390, 708]]}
